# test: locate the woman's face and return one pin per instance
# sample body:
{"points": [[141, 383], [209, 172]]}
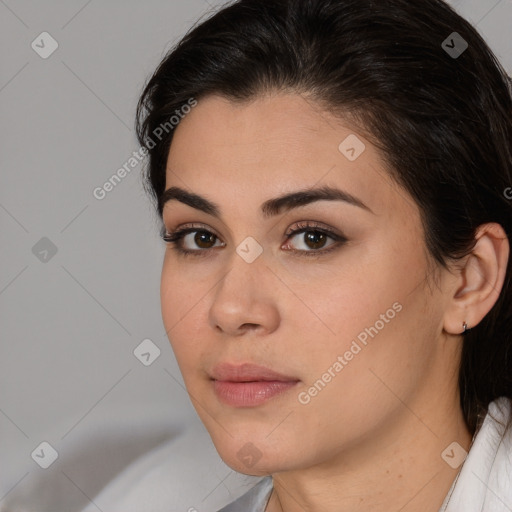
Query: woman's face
{"points": [[344, 309]]}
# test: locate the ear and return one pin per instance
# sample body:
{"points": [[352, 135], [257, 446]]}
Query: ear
{"points": [[479, 281]]}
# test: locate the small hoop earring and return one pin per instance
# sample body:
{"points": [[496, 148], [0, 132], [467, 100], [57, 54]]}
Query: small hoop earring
{"points": [[465, 326]]}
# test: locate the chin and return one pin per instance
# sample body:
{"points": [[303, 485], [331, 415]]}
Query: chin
{"points": [[256, 457], [246, 466]]}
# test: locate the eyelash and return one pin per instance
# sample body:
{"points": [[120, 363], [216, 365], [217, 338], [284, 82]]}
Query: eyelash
{"points": [[177, 236]]}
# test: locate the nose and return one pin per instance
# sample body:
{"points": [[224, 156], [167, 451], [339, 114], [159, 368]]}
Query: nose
{"points": [[245, 299]]}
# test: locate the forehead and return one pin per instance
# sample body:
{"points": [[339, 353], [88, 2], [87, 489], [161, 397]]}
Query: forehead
{"points": [[273, 145]]}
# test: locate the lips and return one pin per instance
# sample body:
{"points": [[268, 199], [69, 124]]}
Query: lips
{"points": [[247, 372], [248, 385]]}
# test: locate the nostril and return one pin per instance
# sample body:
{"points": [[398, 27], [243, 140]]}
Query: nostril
{"points": [[250, 325]]}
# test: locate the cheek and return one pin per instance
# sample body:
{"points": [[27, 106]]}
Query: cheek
{"points": [[353, 380], [341, 299], [181, 303], [371, 308]]}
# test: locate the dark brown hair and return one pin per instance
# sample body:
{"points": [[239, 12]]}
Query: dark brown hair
{"points": [[443, 121]]}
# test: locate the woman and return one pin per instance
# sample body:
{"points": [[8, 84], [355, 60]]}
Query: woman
{"points": [[337, 282]]}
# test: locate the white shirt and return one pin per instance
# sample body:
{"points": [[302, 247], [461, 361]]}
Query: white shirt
{"points": [[483, 484]]}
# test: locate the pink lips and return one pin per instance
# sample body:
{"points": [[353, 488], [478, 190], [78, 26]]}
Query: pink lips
{"points": [[248, 385]]}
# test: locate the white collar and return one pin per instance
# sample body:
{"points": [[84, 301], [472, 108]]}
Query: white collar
{"points": [[484, 483]]}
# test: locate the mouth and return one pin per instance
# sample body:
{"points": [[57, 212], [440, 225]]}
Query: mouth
{"points": [[248, 385]]}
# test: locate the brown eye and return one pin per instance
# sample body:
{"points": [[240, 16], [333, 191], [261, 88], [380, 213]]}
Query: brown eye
{"points": [[315, 239], [204, 238], [310, 240], [201, 241]]}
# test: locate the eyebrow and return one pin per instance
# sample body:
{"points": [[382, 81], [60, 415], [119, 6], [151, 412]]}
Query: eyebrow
{"points": [[269, 208]]}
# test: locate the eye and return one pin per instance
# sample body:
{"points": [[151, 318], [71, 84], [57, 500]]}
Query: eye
{"points": [[202, 238], [313, 238]]}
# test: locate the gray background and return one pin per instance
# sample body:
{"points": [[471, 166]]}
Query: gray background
{"points": [[70, 324]]}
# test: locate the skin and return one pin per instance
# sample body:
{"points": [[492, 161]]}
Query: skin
{"points": [[372, 439]]}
